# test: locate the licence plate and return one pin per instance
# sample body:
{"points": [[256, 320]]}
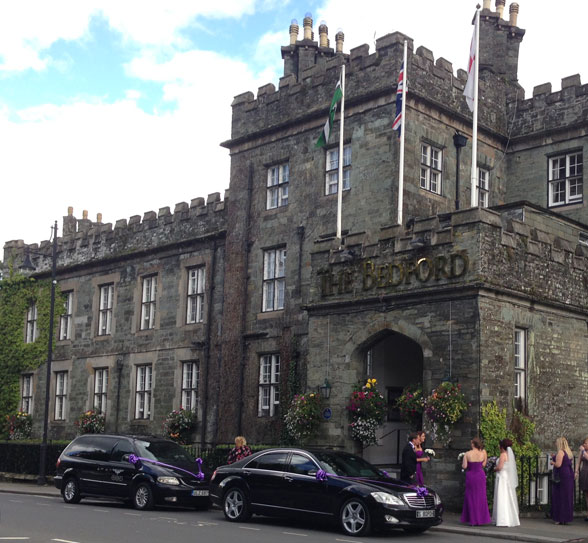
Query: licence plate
{"points": [[425, 514], [199, 492]]}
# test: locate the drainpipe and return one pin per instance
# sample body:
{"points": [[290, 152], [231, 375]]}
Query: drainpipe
{"points": [[207, 343], [119, 368], [459, 140]]}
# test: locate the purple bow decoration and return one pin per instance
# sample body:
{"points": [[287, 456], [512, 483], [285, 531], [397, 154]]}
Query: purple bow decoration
{"points": [[386, 473], [422, 491], [199, 475], [133, 458], [321, 475]]}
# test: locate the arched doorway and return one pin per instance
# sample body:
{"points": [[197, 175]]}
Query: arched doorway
{"points": [[395, 360]]}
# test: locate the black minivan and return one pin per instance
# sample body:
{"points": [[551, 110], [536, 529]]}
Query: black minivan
{"points": [[146, 470]]}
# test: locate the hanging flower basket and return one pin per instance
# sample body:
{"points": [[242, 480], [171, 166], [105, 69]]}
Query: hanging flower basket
{"points": [[367, 410], [444, 408], [303, 416]]}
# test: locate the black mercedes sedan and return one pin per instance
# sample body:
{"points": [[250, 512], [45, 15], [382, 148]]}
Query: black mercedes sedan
{"points": [[333, 485]]}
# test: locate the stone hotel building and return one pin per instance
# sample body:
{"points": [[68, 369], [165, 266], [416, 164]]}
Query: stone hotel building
{"points": [[221, 304]]}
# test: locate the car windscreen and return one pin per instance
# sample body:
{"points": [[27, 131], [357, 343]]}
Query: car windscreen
{"points": [[163, 451], [346, 465]]}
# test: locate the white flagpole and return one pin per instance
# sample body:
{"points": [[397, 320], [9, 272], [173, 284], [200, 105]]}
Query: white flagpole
{"points": [[340, 187], [475, 200], [402, 133]]}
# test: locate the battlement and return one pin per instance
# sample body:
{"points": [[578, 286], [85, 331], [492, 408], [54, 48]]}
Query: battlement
{"points": [[367, 75], [548, 110], [84, 241]]}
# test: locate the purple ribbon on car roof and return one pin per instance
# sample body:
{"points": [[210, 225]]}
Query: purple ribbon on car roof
{"points": [[133, 459]]}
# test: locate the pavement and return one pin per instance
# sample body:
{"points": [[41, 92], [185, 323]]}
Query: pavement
{"points": [[536, 529]]}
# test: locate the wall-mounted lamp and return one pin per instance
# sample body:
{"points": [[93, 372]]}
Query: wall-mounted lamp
{"points": [[325, 389]]}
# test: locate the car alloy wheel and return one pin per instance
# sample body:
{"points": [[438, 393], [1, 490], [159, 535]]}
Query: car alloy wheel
{"points": [[71, 491], [235, 505], [354, 517], [143, 497]]}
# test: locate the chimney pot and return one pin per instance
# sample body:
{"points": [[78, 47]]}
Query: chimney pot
{"points": [[70, 211], [323, 35], [307, 23], [500, 7], [514, 12], [487, 4], [339, 39], [294, 28], [99, 218], [85, 214]]}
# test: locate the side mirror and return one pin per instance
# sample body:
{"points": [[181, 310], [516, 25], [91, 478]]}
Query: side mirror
{"points": [[312, 473]]}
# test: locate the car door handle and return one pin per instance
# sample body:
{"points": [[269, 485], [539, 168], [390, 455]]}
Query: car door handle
{"points": [[289, 479]]}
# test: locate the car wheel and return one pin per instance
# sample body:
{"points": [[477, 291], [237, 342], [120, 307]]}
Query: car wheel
{"points": [[236, 505], [143, 497], [355, 517], [71, 491]]}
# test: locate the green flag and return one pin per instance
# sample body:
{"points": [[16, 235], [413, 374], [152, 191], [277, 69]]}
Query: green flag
{"points": [[324, 137]]}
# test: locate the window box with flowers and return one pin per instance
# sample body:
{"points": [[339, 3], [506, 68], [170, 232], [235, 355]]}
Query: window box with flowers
{"points": [[444, 408], [90, 422], [367, 410], [179, 424], [19, 425], [303, 416], [411, 405]]}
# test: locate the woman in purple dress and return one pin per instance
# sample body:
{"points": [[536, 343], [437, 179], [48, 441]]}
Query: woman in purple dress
{"points": [[562, 490], [475, 504], [420, 458]]}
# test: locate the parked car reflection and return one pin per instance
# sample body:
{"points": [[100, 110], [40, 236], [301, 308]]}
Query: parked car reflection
{"points": [[333, 485]]}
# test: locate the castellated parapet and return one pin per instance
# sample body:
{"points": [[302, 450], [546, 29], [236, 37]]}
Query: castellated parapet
{"points": [[566, 109], [84, 241]]}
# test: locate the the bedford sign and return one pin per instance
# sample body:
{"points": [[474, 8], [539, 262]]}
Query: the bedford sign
{"points": [[390, 275]]}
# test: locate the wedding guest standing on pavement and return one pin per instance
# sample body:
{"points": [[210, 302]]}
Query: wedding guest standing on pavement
{"points": [[506, 508], [562, 491], [475, 504], [582, 472], [409, 459], [240, 450], [421, 457]]}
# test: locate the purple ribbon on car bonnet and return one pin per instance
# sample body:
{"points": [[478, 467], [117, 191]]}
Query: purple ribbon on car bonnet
{"points": [[422, 491], [133, 459]]}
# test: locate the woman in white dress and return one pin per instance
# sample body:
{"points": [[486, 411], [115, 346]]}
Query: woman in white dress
{"points": [[506, 508]]}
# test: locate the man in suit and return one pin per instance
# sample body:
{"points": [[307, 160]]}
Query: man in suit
{"points": [[409, 459]]}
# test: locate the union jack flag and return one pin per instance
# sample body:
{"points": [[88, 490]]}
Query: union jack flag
{"points": [[397, 124]]}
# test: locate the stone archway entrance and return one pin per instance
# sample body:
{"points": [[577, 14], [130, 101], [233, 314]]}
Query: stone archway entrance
{"points": [[395, 360]]}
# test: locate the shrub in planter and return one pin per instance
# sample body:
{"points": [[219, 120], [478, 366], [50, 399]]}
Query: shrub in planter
{"points": [[90, 422], [19, 425]]}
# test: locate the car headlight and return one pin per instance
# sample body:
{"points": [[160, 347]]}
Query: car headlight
{"points": [[437, 499], [388, 499], [168, 481]]}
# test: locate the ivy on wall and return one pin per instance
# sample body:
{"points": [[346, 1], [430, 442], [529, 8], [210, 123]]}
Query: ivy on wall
{"points": [[17, 293]]}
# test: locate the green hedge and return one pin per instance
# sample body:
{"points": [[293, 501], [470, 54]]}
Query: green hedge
{"points": [[23, 456]]}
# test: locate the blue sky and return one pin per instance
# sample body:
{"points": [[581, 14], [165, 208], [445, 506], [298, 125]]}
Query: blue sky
{"points": [[119, 106]]}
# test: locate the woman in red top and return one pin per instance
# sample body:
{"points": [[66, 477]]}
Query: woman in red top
{"points": [[239, 451]]}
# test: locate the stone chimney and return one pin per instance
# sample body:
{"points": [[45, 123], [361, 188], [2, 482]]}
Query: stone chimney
{"points": [[300, 55], [339, 39], [69, 223], [499, 43], [84, 223]]}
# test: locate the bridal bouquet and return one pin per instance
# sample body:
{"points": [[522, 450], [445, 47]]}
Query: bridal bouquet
{"points": [[429, 452], [491, 464]]}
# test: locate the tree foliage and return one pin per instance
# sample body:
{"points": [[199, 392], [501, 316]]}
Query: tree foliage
{"points": [[17, 293]]}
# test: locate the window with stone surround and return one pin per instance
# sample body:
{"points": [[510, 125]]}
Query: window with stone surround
{"points": [[274, 280], [269, 385], [60, 395], [143, 392], [100, 389], [105, 311], [332, 170], [520, 363], [431, 162], [66, 318], [190, 378], [195, 305], [26, 402], [32, 332], [565, 184], [148, 302], [483, 187], [278, 180]]}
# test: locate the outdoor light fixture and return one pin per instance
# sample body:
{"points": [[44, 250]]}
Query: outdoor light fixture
{"points": [[27, 265], [325, 389]]}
